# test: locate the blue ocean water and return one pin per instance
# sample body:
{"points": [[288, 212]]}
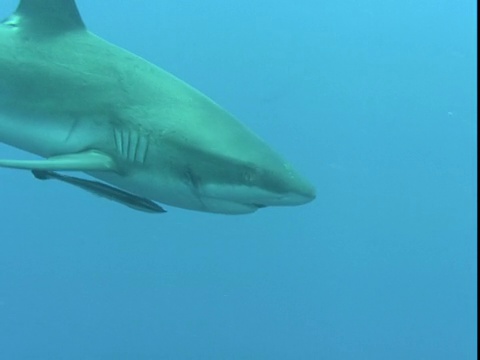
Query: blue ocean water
{"points": [[374, 101]]}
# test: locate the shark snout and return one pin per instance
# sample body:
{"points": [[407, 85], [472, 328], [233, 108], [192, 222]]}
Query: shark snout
{"points": [[302, 193], [297, 191], [286, 187]]}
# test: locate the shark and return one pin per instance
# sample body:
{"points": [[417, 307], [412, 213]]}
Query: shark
{"points": [[79, 103]]}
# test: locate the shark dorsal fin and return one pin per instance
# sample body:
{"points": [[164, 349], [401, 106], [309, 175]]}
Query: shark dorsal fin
{"points": [[49, 17]]}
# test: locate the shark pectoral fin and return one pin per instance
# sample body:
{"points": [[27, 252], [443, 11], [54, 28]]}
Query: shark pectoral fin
{"points": [[92, 160]]}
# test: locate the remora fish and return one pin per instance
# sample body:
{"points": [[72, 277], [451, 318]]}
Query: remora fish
{"points": [[103, 190], [84, 104]]}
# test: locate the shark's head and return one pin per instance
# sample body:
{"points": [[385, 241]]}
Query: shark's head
{"points": [[257, 186]]}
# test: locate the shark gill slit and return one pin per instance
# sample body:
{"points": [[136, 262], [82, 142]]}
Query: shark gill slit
{"points": [[118, 140], [126, 143], [134, 146], [142, 151], [131, 146]]}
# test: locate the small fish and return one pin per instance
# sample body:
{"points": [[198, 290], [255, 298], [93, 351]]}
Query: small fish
{"points": [[103, 190]]}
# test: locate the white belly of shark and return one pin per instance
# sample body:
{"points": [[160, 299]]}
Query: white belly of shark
{"points": [[86, 105]]}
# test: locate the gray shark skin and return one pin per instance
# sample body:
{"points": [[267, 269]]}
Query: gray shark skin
{"points": [[83, 104]]}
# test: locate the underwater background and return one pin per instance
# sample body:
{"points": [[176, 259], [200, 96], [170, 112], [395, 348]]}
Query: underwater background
{"points": [[374, 101]]}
